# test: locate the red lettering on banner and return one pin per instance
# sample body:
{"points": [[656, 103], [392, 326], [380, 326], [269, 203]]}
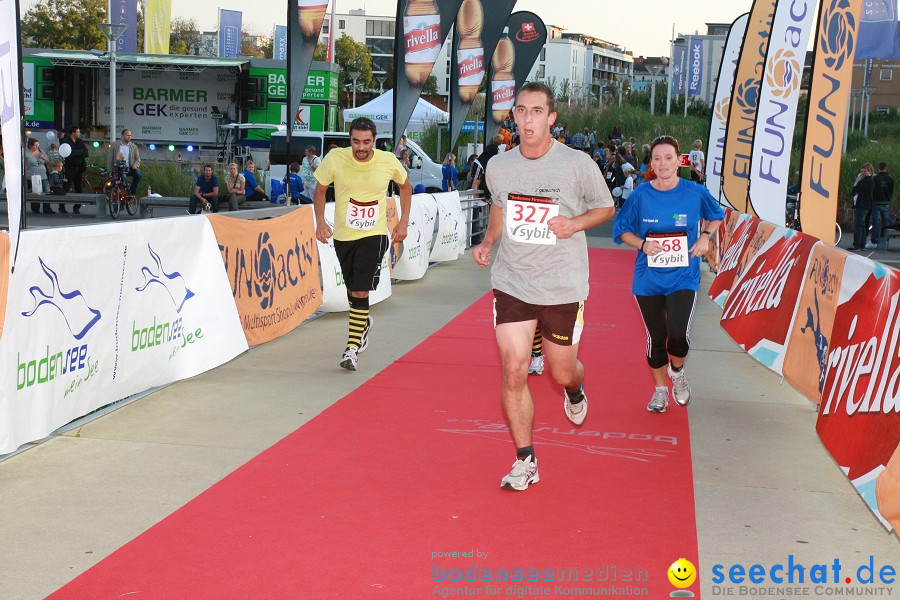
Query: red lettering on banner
{"points": [[763, 291], [470, 67], [423, 39], [504, 94]]}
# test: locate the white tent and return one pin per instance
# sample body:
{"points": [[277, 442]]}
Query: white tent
{"points": [[381, 111]]}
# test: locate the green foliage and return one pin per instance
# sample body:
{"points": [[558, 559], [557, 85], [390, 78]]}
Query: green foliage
{"points": [[431, 87], [184, 36], [167, 178], [65, 24], [353, 56]]}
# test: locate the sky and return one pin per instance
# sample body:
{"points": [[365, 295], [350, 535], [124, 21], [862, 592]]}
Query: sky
{"points": [[644, 26]]}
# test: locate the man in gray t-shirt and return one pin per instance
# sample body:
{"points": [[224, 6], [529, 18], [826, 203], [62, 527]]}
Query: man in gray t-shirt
{"points": [[544, 196]]}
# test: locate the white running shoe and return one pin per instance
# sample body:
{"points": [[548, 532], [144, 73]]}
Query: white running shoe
{"points": [[871, 246], [576, 412], [364, 338], [350, 358], [681, 389], [523, 474], [537, 364], [659, 401]]}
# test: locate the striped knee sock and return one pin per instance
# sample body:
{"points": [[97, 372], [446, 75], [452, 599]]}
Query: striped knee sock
{"points": [[537, 346], [359, 316]]}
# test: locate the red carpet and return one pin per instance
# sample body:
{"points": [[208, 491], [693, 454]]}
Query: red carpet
{"points": [[357, 503]]}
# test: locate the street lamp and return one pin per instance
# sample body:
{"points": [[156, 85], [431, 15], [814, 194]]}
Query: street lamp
{"points": [[112, 31], [354, 75], [380, 79]]}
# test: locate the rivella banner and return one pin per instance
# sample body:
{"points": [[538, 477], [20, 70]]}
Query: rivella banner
{"points": [[518, 49], [157, 26], [777, 108], [273, 270], [475, 38], [743, 106], [859, 414], [721, 103], [153, 308], [305, 19], [421, 28], [829, 92], [760, 306]]}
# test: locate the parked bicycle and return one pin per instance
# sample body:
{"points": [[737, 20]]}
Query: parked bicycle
{"points": [[120, 195], [96, 181], [792, 217]]}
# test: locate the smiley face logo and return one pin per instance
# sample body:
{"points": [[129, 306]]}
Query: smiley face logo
{"points": [[682, 573]]}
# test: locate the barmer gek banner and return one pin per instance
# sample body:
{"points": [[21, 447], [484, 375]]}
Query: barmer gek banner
{"points": [[514, 57], [777, 108], [421, 28], [721, 102], [475, 38], [229, 33]]}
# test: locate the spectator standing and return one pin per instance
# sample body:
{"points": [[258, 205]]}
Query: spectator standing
{"points": [[579, 139], [75, 164], [235, 187], [36, 164], [449, 174], [295, 183], [56, 180], [698, 163], [132, 155], [882, 193], [308, 167], [256, 193], [862, 192], [398, 151]]}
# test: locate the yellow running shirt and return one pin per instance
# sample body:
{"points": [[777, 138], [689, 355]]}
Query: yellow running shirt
{"points": [[360, 189]]}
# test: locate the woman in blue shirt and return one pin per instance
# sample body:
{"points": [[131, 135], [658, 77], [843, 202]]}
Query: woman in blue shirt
{"points": [[450, 176], [670, 223]]}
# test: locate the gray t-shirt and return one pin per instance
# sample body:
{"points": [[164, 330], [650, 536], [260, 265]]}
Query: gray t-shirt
{"points": [[536, 273]]}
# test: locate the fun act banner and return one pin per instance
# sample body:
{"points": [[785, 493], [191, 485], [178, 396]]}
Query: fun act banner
{"points": [[154, 307], [721, 103], [859, 415], [760, 306], [273, 271]]}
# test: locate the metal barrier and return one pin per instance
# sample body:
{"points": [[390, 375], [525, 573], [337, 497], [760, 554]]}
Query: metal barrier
{"points": [[476, 212]]}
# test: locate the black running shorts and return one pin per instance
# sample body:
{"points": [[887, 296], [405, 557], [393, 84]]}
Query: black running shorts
{"points": [[361, 261], [561, 324]]}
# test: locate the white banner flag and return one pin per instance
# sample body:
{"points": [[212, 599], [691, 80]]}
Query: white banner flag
{"points": [[777, 108], [11, 119], [719, 121], [98, 313], [413, 261], [450, 236]]}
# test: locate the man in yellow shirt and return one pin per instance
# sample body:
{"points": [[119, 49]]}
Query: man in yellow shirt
{"points": [[361, 175]]}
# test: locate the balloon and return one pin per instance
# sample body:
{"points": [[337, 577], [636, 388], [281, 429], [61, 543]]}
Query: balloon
{"points": [[65, 150], [52, 138]]}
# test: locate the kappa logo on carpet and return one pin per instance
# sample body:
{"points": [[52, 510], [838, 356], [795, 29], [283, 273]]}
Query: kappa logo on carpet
{"points": [[394, 492]]}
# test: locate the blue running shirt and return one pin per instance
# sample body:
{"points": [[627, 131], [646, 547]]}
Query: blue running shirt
{"points": [[678, 210]]}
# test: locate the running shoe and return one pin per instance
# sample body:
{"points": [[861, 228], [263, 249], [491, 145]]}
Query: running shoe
{"points": [[537, 364], [350, 358], [523, 474], [576, 412], [659, 401], [681, 389], [364, 338]]}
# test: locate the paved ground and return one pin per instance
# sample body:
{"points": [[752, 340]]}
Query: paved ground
{"points": [[765, 487]]}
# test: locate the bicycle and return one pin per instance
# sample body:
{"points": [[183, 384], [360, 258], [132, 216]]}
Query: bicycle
{"points": [[792, 218], [97, 181], [120, 195]]}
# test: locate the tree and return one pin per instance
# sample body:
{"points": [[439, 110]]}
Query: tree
{"points": [[184, 36], [353, 56], [65, 24], [431, 88], [321, 52]]}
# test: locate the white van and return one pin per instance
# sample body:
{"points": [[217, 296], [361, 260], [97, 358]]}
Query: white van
{"points": [[422, 169]]}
